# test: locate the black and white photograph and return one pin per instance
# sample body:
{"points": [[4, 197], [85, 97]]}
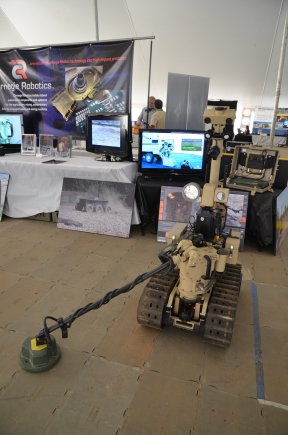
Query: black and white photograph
{"points": [[102, 207], [29, 143], [4, 179]]}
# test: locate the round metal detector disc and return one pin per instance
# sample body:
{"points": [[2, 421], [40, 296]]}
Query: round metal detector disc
{"points": [[35, 358]]}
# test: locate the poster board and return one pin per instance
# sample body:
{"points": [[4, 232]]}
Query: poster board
{"points": [[281, 221], [4, 179], [102, 207], [263, 121], [56, 87]]}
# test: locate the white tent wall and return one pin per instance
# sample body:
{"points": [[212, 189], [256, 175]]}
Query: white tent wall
{"points": [[8, 32], [229, 41]]}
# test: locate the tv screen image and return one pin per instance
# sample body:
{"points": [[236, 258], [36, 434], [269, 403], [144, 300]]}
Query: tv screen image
{"points": [[171, 150], [108, 134], [11, 130]]}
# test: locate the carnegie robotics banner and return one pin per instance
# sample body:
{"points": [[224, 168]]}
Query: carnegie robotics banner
{"points": [[56, 87]]}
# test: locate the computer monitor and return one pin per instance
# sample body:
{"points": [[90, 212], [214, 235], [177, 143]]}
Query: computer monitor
{"points": [[179, 152], [11, 130], [108, 135]]}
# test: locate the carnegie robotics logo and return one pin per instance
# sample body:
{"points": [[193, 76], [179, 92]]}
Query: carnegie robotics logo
{"points": [[19, 69]]}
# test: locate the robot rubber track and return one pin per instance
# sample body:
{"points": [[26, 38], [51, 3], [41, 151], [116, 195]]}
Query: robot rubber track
{"points": [[220, 318]]}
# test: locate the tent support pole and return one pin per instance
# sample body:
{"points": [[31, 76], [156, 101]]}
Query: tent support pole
{"points": [[279, 79], [149, 78], [96, 19]]}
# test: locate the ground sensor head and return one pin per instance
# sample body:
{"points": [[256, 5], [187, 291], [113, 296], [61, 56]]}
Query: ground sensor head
{"points": [[37, 358]]}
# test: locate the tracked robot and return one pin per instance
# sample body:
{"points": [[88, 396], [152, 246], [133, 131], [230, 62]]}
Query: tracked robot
{"points": [[201, 292], [196, 287]]}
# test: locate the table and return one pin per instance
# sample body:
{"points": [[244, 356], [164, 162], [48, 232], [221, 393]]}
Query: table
{"points": [[35, 187]]}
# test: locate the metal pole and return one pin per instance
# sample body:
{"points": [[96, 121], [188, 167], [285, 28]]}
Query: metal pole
{"points": [[149, 77], [34, 47], [96, 20], [279, 79]]}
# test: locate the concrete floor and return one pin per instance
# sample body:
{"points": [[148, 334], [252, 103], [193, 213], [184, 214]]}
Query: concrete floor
{"points": [[117, 377]]}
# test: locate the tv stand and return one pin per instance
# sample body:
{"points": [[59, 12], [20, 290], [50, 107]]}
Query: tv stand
{"points": [[174, 177], [110, 158], [103, 158]]}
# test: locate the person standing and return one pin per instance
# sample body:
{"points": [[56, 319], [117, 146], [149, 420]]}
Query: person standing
{"points": [[247, 130], [142, 120], [158, 118]]}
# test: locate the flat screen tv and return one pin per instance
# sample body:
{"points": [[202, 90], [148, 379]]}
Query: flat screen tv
{"points": [[108, 135], [11, 130], [179, 152]]}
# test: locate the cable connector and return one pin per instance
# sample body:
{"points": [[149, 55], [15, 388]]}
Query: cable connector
{"points": [[63, 326]]}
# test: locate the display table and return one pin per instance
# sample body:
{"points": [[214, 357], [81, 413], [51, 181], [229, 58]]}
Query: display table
{"points": [[35, 187]]}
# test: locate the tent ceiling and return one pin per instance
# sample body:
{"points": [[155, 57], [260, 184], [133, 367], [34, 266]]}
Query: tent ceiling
{"points": [[227, 40]]}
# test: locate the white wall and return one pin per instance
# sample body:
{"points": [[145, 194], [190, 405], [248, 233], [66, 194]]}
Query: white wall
{"points": [[8, 32], [227, 40]]}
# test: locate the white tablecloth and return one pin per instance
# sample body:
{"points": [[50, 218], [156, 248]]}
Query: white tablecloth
{"points": [[265, 141], [35, 187]]}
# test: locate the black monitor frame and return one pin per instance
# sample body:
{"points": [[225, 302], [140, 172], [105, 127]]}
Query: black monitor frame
{"points": [[123, 150], [184, 172], [12, 147]]}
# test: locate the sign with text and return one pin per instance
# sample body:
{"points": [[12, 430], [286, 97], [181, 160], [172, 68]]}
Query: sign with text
{"points": [[56, 87], [263, 121]]}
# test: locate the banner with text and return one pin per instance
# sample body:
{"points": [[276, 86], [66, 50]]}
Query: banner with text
{"points": [[56, 87], [263, 121]]}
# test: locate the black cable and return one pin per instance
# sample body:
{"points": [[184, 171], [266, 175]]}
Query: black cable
{"points": [[64, 324], [225, 217], [46, 329]]}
